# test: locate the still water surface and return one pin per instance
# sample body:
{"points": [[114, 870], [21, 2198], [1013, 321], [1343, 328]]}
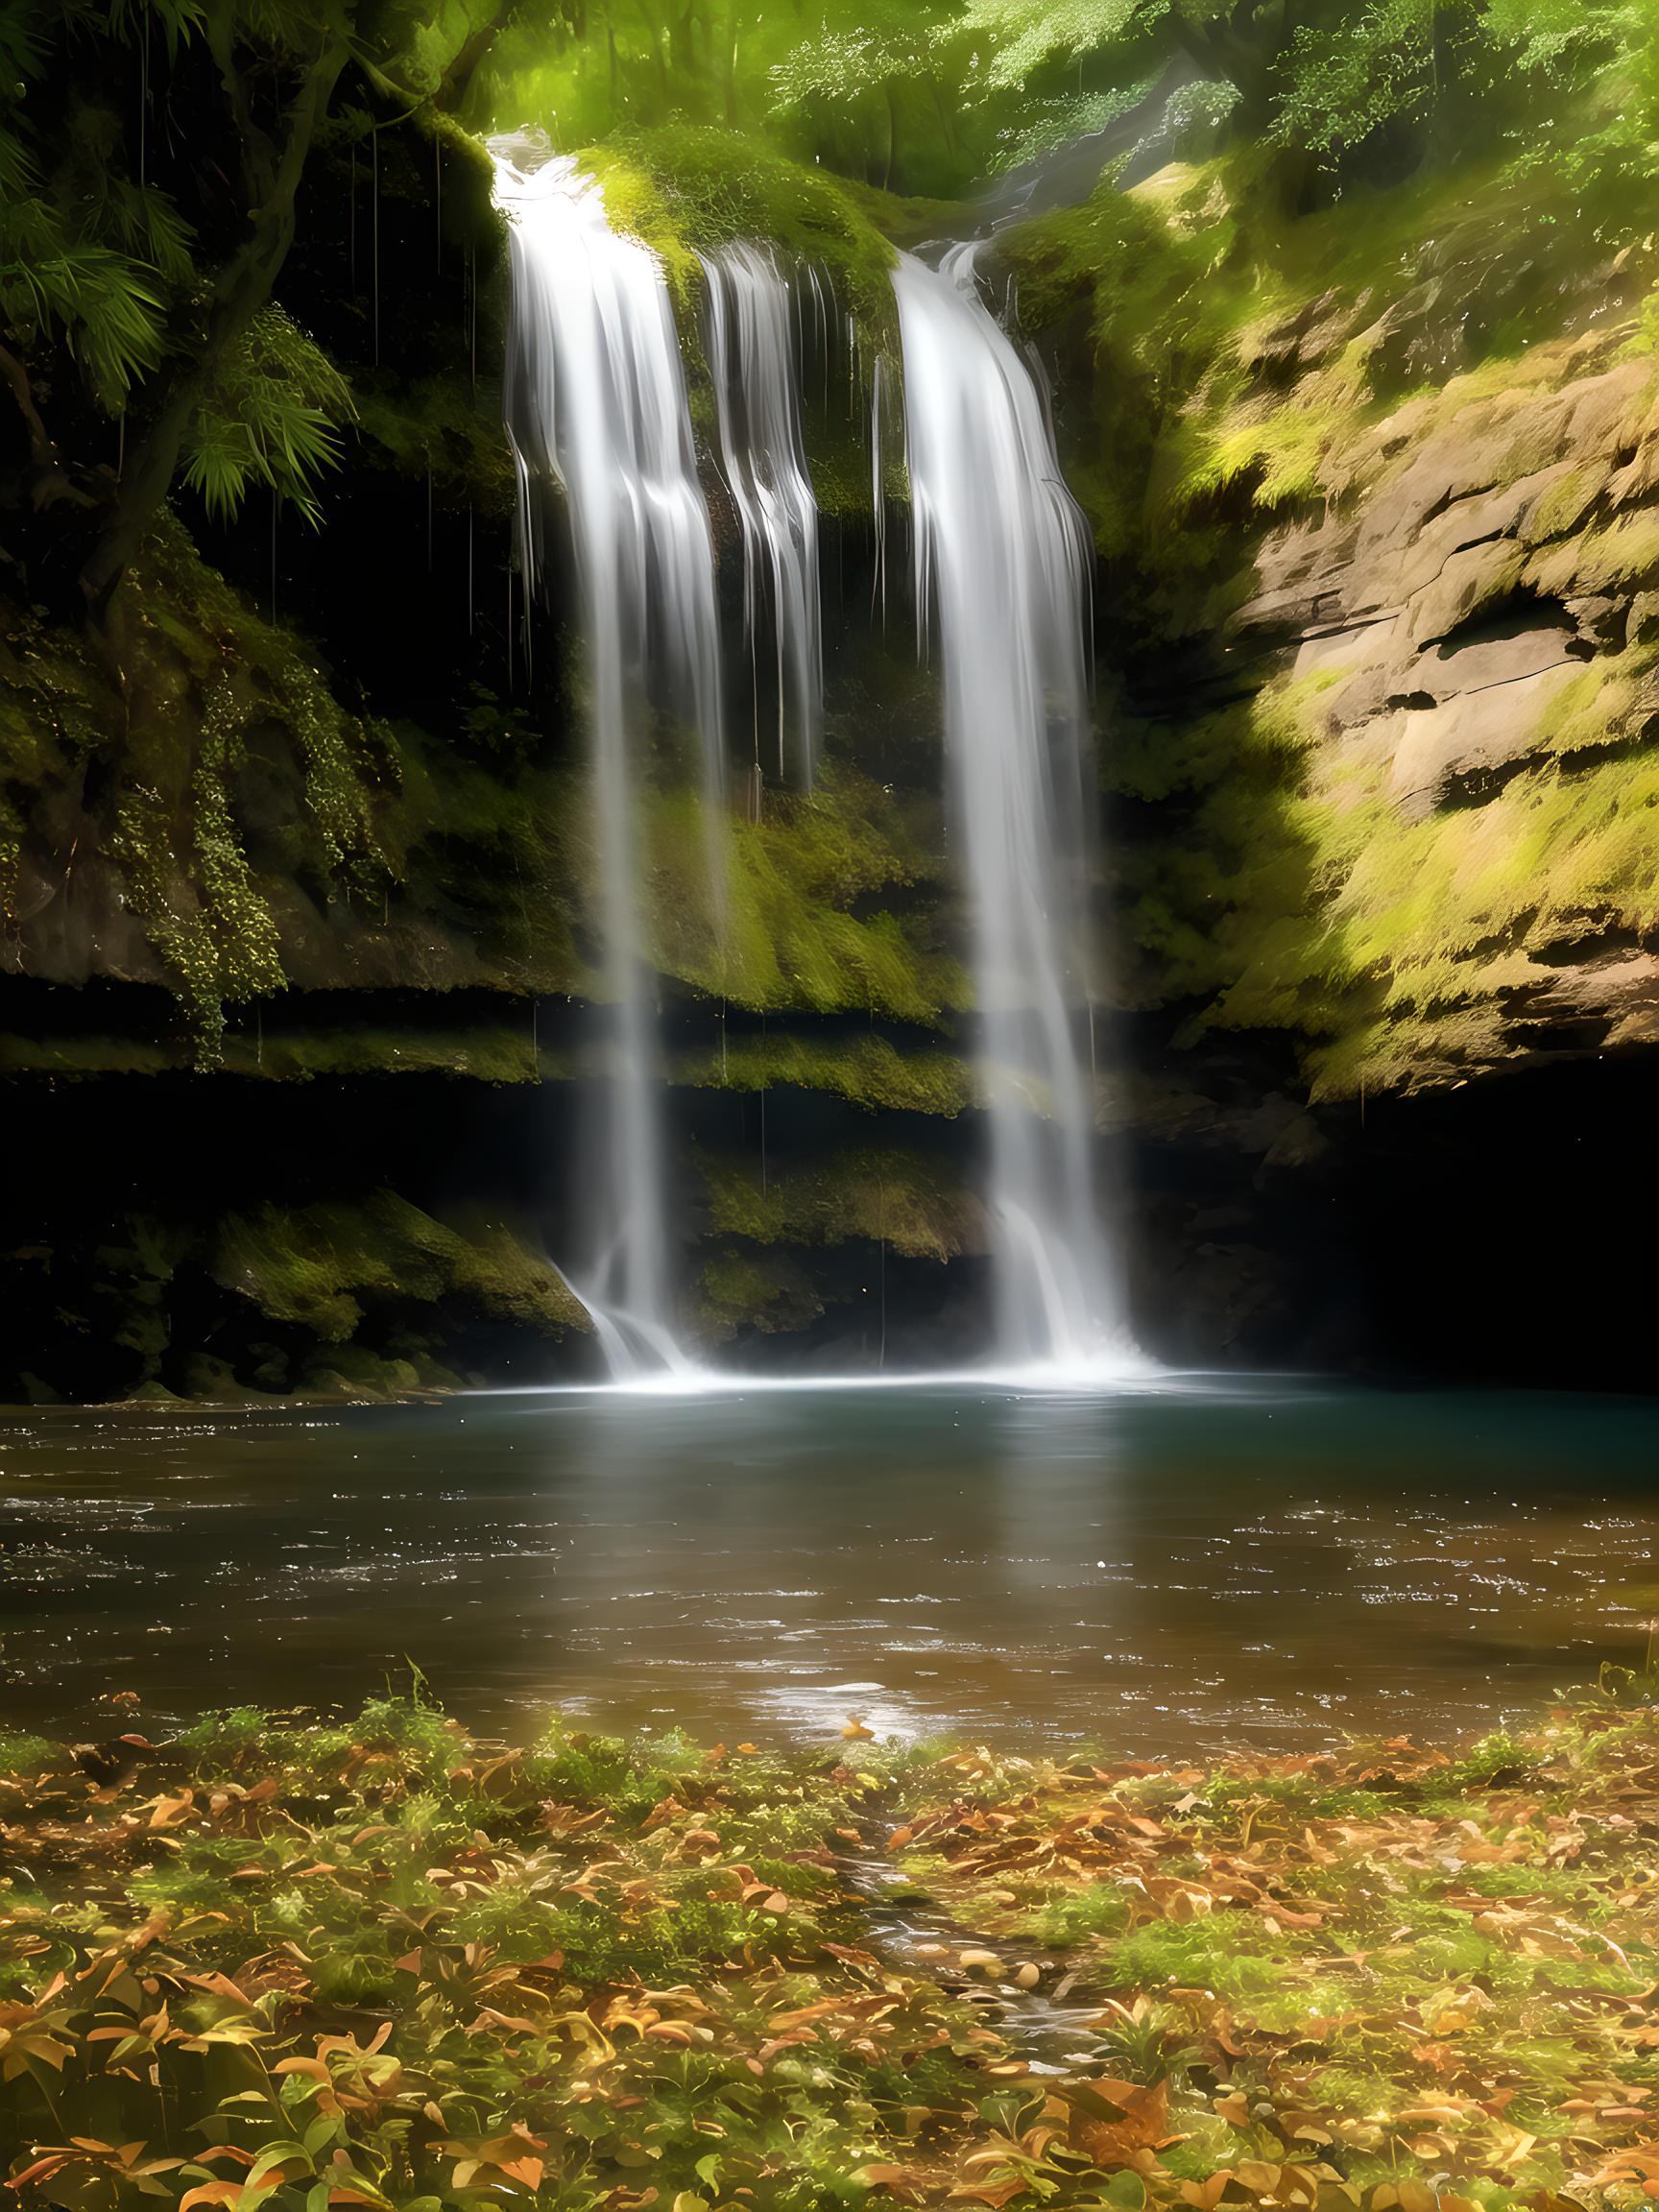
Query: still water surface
{"points": [[1271, 1564]]}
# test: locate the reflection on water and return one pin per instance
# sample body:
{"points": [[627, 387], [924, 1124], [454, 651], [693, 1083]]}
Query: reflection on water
{"points": [[1144, 1572]]}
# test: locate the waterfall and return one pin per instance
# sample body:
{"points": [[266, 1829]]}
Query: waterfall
{"points": [[1002, 562], [595, 400], [757, 392]]}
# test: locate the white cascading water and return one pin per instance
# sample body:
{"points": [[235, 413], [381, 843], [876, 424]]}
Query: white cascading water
{"points": [[595, 399], [1001, 564], [757, 392]]}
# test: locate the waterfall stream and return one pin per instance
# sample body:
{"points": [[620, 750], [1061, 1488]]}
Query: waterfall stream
{"points": [[1001, 566], [752, 366], [595, 400], [596, 406]]}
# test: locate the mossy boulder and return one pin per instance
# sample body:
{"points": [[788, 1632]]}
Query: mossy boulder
{"points": [[687, 188]]}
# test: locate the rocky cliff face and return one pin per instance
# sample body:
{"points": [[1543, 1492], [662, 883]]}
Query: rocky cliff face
{"points": [[1473, 639], [1377, 499]]}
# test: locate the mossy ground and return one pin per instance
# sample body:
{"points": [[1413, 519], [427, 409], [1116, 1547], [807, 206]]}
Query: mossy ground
{"points": [[295, 1962]]}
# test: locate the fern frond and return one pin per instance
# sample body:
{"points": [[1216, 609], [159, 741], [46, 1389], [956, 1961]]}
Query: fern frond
{"points": [[105, 305], [177, 20], [22, 38], [144, 221], [272, 419], [219, 464]]}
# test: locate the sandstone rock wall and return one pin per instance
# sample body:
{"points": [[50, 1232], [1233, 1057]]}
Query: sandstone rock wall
{"points": [[1471, 636]]}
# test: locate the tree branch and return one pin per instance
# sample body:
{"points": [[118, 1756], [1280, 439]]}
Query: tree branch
{"points": [[453, 85], [242, 287], [51, 479]]}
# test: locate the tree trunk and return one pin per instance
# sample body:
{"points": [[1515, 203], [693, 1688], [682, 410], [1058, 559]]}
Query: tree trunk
{"points": [[242, 287], [47, 480], [452, 86]]}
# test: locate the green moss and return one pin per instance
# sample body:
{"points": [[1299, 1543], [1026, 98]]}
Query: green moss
{"points": [[819, 904], [441, 427], [1564, 505], [498, 849], [1302, 897], [204, 682], [1223, 902], [893, 1198], [54, 716], [1136, 293], [488, 1051], [686, 188], [767, 1290], [1290, 371], [86, 1055], [319, 1267], [1286, 453], [511, 1283], [871, 1071], [352, 1371], [798, 928], [25, 1755], [1620, 555]]}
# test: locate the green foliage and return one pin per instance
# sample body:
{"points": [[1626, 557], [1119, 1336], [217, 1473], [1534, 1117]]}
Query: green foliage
{"points": [[867, 89], [1024, 40], [270, 416], [138, 262], [104, 306], [932, 95], [1346, 80], [213, 928], [374, 1954], [204, 675], [1049, 126]]}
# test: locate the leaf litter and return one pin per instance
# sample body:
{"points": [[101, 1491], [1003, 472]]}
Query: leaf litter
{"points": [[296, 1963]]}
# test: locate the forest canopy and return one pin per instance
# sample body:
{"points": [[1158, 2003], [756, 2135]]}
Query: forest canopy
{"points": [[931, 98], [144, 343]]}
